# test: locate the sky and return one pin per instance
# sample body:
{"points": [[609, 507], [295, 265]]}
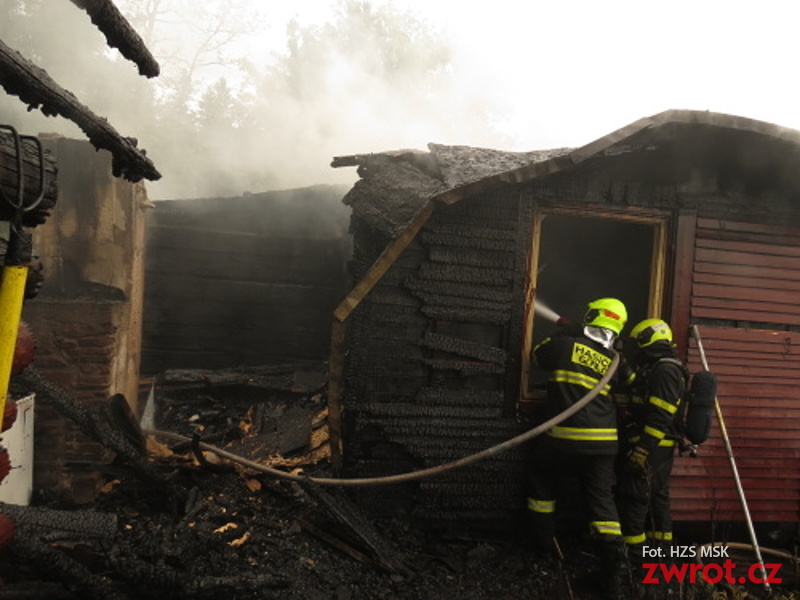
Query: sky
{"points": [[552, 74], [569, 72]]}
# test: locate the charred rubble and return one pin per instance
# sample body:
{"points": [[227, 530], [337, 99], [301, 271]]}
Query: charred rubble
{"points": [[176, 522], [173, 521]]}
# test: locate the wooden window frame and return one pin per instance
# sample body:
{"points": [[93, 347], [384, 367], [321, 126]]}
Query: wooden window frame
{"points": [[658, 220]]}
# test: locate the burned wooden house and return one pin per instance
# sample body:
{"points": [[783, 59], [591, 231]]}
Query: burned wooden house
{"points": [[690, 216]]}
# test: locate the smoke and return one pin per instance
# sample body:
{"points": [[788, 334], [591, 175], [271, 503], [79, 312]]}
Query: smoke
{"points": [[236, 114], [248, 100]]}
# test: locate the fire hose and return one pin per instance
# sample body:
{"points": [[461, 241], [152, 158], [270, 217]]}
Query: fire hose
{"points": [[411, 475]]}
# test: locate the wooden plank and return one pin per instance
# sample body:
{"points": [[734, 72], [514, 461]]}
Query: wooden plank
{"points": [[755, 282], [761, 356], [734, 378], [705, 505], [755, 428], [742, 388], [781, 299], [733, 352], [742, 441], [120, 34], [745, 272], [758, 355], [762, 411], [758, 395], [741, 313], [721, 225], [724, 493], [711, 508], [713, 334], [750, 247], [739, 359], [706, 463], [335, 390], [680, 309], [731, 257], [721, 478], [19, 77]]}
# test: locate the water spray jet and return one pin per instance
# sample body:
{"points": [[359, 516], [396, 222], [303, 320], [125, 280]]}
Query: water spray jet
{"points": [[546, 312]]}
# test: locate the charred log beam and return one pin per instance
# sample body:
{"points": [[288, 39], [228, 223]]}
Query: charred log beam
{"points": [[480, 314], [339, 507], [466, 368], [62, 567], [438, 396], [61, 523], [119, 34], [205, 587], [90, 423], [462, 347], [121, 416], [334, 541], [146, 575], [464, 274], [497, 294], [19, 77], [37, 590], [469, 237], [31, 182]]}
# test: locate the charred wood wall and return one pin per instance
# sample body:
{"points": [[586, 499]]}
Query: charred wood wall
{"points": [[248, 280], [429, 363]]}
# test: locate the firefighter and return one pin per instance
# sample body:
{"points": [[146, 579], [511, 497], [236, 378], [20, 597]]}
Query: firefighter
{"points": [[650, 429], [583, 446]]}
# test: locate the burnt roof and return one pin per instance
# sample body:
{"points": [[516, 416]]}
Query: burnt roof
{"points": [[20, 77], [120, 34], [396, 186]]}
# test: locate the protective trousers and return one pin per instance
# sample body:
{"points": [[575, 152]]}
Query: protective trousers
{"points": [[644, 504], [547, 474]]}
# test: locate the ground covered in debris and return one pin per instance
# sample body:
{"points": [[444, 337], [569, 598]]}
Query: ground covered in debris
{"points": [[222, 533], [208, 528]]}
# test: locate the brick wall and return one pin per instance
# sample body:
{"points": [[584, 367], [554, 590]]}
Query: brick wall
{"points": [[87, 316]]}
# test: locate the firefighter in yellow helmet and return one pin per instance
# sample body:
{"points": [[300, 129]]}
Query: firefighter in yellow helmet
{"points": [[583, 446], [649, 432]]}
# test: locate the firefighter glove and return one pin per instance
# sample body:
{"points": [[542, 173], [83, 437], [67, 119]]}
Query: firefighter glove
{"points": [[637, 460], [625, 373]]}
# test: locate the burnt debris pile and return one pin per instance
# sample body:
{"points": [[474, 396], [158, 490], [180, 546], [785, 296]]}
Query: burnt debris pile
{"points": [[174, 521]]}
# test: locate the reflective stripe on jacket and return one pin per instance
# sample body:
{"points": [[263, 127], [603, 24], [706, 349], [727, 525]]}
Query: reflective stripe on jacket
{"points": [[576, 365]]}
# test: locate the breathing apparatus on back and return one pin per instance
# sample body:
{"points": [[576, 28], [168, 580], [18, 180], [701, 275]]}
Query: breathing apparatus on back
{"points": [[697, 408]]}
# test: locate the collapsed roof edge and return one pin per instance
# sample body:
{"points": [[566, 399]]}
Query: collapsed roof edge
{"points": [[120, 34]]}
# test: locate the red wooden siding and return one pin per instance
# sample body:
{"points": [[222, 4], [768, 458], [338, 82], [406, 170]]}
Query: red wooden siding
{"points": [[746, 278]]}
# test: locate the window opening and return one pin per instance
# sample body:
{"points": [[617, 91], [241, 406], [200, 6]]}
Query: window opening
{"points": [[577, 258]]}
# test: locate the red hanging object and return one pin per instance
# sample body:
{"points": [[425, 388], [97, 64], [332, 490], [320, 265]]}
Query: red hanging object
{"points": [[9, 414], [7, 530], [5, 463], [24, 350]]}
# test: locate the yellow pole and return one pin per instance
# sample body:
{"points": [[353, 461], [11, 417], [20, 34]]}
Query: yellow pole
{"points": [[12, 294]]}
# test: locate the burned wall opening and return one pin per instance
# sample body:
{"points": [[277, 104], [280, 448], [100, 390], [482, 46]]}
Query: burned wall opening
{"points": [[584, 257]]}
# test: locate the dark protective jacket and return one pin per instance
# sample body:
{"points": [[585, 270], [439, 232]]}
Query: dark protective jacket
{"points": [[576, 364], [653, 426], [657, 390]]}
